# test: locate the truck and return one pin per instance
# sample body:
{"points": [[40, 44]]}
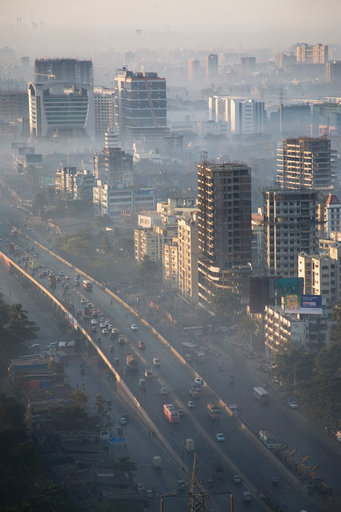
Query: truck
{"points": [[132, 363], [171, 413], [261, 395], [52, 281], [87, 285], [214, 411], [267, 439]]}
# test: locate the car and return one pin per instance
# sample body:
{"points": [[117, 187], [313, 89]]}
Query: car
{"points": [[139, 487], [102, 325], [190, 404], [133, 327], [83, 301], [148, 373], [58, 279], [156, 362], [105, 331], [141, 345], [198, 381], [67, 278], [109, 327], [236, 479], [149, 493], [123, 421], [163, 391], [93, 321], [246, 497], [292, 403], [61, 274], [220, 437]]}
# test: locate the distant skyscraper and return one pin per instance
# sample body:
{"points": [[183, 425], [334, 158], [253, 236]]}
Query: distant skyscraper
{"points": [[194, 69], [305, 162], [246, 116], [104, 109], [211, 65], [140, 105], [290, 226], [312, 54], [61, 98], [224, 226], [333, 73]]}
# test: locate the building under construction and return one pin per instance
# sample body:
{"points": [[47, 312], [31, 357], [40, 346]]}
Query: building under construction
{"points": [[140, 106]]}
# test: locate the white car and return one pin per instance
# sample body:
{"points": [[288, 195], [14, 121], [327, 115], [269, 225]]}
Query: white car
{"points": [[220, 437], [93, 321], [83, 301], [105, 331], [102, 325], [156, 362], [198, 381], [191, 404], [133, 327]]}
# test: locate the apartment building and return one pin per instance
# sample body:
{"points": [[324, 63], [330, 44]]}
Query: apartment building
{"points": [[290, 227], [305, 162], [245, 116]]}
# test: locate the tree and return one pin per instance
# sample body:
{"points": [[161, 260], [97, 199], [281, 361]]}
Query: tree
{"points": [[225, 303], [19, 326]]}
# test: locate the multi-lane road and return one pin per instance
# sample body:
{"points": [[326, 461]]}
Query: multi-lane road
{"points": [[238, 453]]}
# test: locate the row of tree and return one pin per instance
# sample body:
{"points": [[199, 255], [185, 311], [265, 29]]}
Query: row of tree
{"points": [[15, 329]]}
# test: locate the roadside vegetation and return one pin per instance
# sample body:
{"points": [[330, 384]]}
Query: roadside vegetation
{"points": [[314, 379]]}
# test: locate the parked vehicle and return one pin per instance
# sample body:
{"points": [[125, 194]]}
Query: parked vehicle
{"points": [[261, 395]]}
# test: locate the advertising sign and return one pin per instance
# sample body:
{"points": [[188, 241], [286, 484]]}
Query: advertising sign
{"points": [[303, 304]]}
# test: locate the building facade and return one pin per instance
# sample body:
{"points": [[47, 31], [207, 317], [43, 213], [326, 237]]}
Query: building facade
{"points": [[245, 116], [312, 54], [305, 162], [140, 106], [224, 226], [321, 273], [61, 99], [282, 330], [104, 109], [290, 226], [118, 202], [187, 243]]}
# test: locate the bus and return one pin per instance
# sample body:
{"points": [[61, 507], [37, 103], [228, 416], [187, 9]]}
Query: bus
{"points": [[171, 413], [261, 395]]}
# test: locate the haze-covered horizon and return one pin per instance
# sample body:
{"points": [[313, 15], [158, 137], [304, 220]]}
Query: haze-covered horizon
{"points": [[72, 28]]}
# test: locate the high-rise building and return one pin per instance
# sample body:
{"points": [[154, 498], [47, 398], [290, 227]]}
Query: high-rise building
{"points": [[13, 105], [194, 69], [61, 99], [224, 226], [104, 109], [333, 73], [246, 116], [312, 54], [211, 66], [140, 106], [187, 243], [305, 162], [290, 226]]}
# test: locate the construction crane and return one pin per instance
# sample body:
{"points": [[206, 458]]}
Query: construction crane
{"points": [[289, 457]]}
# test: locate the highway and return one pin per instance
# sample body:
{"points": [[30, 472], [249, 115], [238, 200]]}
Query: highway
{"points": [[238, 453]]}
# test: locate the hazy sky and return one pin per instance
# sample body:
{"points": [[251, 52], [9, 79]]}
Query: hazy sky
{"points": [[225, 23]]}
